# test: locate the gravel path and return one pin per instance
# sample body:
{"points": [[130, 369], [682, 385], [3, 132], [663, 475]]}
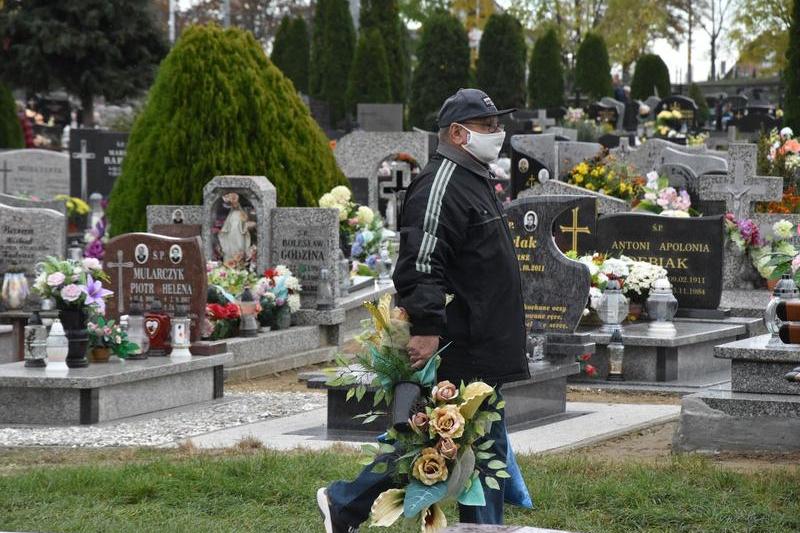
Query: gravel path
{"points": [[237, 409]]}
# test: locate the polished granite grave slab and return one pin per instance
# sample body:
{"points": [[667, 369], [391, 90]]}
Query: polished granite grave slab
{"points": [[56, 395], [758, 411], [687, 356]]}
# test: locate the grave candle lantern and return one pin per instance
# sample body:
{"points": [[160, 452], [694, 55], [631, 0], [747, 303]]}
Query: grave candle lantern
{"points": [[613, 308], [136, 331], [156, 325], [248, 308], [181, 325], [616, 357], [35, 342], [57, 344], [325, 291], [785, 290], [662, 306]]}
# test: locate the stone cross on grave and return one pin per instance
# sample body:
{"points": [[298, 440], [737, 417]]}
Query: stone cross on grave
{"points": [[740, 187], [5, 170], [119, 265], [575, 230], [84, 156], [542, 121]]}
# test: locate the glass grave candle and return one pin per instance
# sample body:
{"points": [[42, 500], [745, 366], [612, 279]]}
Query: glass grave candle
{"points": [[661, 307], [248, 309], [613, 308]]}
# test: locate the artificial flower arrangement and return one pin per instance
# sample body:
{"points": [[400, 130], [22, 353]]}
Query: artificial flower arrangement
{"points": [[661, 199], [278, 293], [605, 175], [359, 228], [763, 247], [108, 334], [779, 155], [75, 206], [636, 277], [697, 140], [72, 284], [230, 279], [789, 203], [435, 456], [96, 239], [668, 122], [222, 321]]}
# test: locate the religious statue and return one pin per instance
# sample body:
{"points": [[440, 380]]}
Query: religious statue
{"points": [[234, 235]]}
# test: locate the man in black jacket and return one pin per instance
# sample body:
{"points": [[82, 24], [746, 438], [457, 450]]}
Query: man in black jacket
{"points": [[454, 240]]}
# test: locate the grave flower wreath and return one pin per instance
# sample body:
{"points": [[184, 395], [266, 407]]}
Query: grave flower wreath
{"points": [[73, 284], [433, 451], [770, 251]]}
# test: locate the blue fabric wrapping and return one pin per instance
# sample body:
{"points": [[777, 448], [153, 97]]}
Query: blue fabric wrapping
{"points": [[516, 492]]}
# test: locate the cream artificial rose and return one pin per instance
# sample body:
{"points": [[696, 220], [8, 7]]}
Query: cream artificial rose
{"points": [[341, 194], [444, 391], [327, 201], [447, 421], [365, 215], [430, 467], [447, 448]]}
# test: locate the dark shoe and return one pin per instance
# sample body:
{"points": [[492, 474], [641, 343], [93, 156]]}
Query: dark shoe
{"points": [[329, 521]]}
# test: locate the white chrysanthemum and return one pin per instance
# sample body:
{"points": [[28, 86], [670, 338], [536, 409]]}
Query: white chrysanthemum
{"points": [[365, 215], [342, 212], [41, 282], [615, 267], [587, 260], [328, 201], [341, 194], [783, 229], [294, 302], [282, 270], [293, 284], [787, 133]]}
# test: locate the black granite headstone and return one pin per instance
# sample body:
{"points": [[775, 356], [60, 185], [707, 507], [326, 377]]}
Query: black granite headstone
{"points": [[603, 114], [524, 172], [691, 249], [575, 228], [554, 288], [95, 160]]}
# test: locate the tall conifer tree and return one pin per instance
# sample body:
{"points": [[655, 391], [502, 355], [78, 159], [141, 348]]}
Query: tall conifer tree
{"points": [[501, 61], [546, 72]]}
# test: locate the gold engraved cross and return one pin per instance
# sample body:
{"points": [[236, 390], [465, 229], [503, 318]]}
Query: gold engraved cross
{"points": [[575, 229]]}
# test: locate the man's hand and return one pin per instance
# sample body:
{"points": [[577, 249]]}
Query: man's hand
{"points": [[421, 348]]}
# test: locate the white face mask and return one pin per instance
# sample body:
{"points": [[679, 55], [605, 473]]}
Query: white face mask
{"points": [[484, 146]]}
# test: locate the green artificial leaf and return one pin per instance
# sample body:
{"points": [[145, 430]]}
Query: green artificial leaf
{"points": [[502, 474], [492, 483], [496, 464], [484, 455], [361, 390], [426, 376], [473, 493], [378, 397], [349, 395], [385, 447], [492, 398], [379, 468], [460, 473], [485, 445], [420, 497], [494, 417], [369, 449], [365, 461], [500, 405], [370, 418]]}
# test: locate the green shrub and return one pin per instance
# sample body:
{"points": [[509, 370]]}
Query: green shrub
{"points": [[592, 70], [291, 51], [442, 69], [546, 73], [703, 113], [332, 46], [219, 106], [500, 70], [11, 135], [369, 77], [650, 78], [792, 73], [384, 16]]}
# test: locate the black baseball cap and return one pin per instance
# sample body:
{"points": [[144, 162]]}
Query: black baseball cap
{"points": [[468, 104]]}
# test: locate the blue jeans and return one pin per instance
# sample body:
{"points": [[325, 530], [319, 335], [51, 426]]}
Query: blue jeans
{"points": [[351, 500]]}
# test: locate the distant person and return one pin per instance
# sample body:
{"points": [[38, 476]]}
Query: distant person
{"points": [[619, 92], [630, 118]]}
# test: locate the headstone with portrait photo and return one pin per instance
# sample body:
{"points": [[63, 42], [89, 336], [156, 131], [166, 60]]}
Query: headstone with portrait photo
{"points": [[145, 267], [175, 220]]}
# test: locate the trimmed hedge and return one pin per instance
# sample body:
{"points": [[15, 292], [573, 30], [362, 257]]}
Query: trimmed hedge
{"points": [[369, 77], [651, 76], [592, 69], [384, 16], [442, 69], [291, 51], [11, 135], [219, 106], [332, 46], [546, 73], [500, 71]]}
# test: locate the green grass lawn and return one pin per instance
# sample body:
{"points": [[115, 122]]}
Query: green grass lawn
{"points": [[274, 492]]}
